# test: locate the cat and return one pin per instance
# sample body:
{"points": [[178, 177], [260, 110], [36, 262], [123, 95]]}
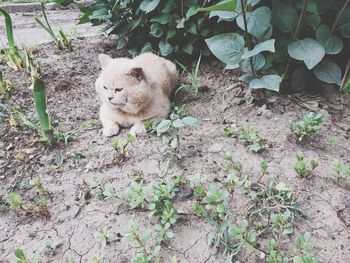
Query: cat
{"points": [[134, 90]]}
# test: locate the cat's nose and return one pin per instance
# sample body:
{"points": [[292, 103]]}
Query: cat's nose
{"points": [[109, 98]]}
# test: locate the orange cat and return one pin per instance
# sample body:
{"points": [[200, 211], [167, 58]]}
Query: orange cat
{"points": [[134, 90]]}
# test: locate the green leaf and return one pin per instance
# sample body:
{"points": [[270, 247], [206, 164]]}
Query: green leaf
{"points": [[188, 48], [258, 63], [258, 21], [323, 5], [332, 44], [328, 71], [191, 12], [284, 16], [165, 48], [227, 5], [63, 2], [227, 47], [344, 23], [149, 5], [268, 45], [270, 82], [101, 14], [298, 259], [163, 126], [282, 187], [164, 19], [346, 85], [156, 30], [308, 50], [178, 123], [225, 15], [190, 121], [181, 23], [313, 21], [20, 255]]}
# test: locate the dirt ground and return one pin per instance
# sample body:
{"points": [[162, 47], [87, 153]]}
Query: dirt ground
{"points": [[72, 100]]}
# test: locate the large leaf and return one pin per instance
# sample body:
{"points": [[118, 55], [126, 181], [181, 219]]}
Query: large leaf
{"points": [[101, 14], [284, 16], [227, 5], [331, 44], [270, 82], [224, 15], [149, 5], [323, 5], [64, 2], [165, 48], [227, 47], [258, 63], [344, 23], [328, 71], [258, 21], [308, 50], [268, 45]]}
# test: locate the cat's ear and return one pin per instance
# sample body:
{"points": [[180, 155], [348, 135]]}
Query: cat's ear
{"points": [[104, 60], [136, 73]]}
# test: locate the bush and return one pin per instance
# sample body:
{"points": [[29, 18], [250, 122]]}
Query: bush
{"points": [[276, 40], [295, 42], [171, 27]]}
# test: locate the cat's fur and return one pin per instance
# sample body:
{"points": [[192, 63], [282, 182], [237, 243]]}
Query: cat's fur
{"points": [[134, 90]]}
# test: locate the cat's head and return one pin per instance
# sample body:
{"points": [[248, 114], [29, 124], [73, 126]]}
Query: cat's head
{"points": [[123, 84]]}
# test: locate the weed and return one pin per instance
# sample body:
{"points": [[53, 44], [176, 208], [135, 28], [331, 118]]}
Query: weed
{"points": [[331, 140], [36, 182], [120, 149], [192, 87], [250, 137], [103, 236], [90, 124], [308, 125], [141, 240], [5, 87], [216, 201], [342, 171], [11, 54], [3, 112], [37, 207], [105, 192], [65, 137], [136, 194], [21, 257], [62, 41], [301, 168], [169, 129]]}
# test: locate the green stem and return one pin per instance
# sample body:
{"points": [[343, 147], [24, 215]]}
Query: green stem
{"points": [[295, 36], [41, 108], [339, 15], [247, 39], [9, 29], [346, 73]]}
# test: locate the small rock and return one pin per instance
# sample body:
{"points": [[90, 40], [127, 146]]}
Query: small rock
{"points": [[69, 214], [267, 114], [216, 147]]}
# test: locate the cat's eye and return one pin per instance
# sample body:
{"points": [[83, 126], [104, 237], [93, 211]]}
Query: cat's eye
{"points": [[104, 87], [118, 90]]}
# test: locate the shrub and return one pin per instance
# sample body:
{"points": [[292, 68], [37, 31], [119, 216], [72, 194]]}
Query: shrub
{"points": [[171, 27], [276, 40]]}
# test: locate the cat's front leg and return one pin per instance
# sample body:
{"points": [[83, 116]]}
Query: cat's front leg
{"points": [[138, 128], [110, 127]]}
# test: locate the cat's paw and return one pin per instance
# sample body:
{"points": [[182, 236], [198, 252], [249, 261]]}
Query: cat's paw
{"points": [[110, 131], [138, 129]]}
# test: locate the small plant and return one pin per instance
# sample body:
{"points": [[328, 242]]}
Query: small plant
{"points": [[136, 194], [103, 236], [65, 137], [36, 182], [250, 137], [11, 54], [192, 87], [216, 201], [5, 87], [62, 41], [331, 140], [141, 240], [301, 168], [308, 125], [21, 257], [120, 149], [162, 206], [342, 171], [169, 129], [105, 192]]}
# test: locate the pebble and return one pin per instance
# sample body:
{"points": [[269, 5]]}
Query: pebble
{"points": [[267, 114], [69, 214], [216, 147]]}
